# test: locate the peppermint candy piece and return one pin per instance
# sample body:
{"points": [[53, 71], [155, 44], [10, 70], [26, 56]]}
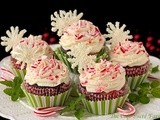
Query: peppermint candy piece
{"points": [[5, 74], [45, 114], [47, 111], [129, 109]]}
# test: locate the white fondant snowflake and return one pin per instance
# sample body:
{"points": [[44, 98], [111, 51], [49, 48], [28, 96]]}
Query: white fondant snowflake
{"points": [[63, 19], [117, 33], [14, 37], [81, 57]]}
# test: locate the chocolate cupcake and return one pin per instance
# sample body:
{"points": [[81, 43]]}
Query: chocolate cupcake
{"points": [[46, 83], [104, 86], [131, 55]]}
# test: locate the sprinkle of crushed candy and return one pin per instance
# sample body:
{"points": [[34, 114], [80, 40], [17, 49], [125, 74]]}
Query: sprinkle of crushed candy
{"points": [[81, 58], [63, 20], [14, 37], [117, 33]]}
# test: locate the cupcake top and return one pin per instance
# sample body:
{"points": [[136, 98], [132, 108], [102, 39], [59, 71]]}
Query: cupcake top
{"points": [[47, 71], [24, 49], [129, 53], [29, 49], [74, 31], [82, 31], [123, 50], [104, 76]]}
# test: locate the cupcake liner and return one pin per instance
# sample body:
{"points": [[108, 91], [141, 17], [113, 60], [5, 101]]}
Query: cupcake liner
{"points": [[37, 101], [104, 107], [135, 81]]}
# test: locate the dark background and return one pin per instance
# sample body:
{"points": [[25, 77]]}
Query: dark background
{"points": [[34, 16]]}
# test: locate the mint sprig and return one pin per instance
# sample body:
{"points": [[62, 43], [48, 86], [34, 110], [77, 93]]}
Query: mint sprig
{"points": [[144, 92], [155, 69], [74, 107], [13, 88]]}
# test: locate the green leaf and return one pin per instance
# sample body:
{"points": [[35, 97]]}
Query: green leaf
{"points": [[14, 90], [17, 82], [8, 91], [21, 93], [15, 95], [143, 91], [144, 99], [155, 83], [156, 92], [72, 105], [155, 69], [145, 85], [103, 54], [7, 83], [133, 97], [79, 114]]}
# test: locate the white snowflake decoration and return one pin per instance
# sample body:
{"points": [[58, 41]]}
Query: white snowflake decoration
{"points": [[63, 20], [117, 33], [14, 37], [81, 57], [29, 50]]}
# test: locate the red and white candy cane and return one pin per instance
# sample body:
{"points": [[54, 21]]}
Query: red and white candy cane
{"points": [[47, 111], [129, 109], [6, 74]]}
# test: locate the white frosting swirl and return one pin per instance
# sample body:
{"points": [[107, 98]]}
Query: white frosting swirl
{"points": [[30, 49], [82, 31], [103, 77], [129, 53], [47, 71]]}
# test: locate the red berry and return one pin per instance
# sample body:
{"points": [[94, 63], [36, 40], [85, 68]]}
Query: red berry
{"points": [[152, 48], [45, 36], [52, 40], [137, 37], [148, 44], [149, 39], [158, 41]]}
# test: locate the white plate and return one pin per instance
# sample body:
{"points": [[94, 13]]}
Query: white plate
{"points": [[21, 111], [155, 61]]}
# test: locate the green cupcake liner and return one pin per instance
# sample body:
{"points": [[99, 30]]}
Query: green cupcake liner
{"points": [[135, 81], [104, 107], [37, 101]]}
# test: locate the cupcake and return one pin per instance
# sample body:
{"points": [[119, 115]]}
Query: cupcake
{"points": [[104, 86], [77, 38], [131, 55], [46, 83], [24, 50]]}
